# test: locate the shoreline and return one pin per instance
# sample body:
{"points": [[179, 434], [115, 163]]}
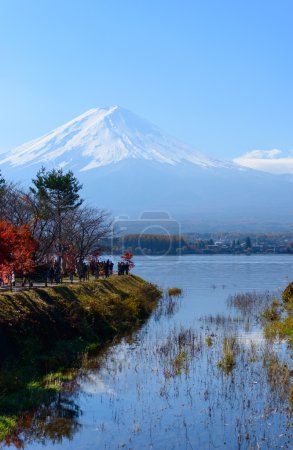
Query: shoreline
{"points": [[45, 331]]}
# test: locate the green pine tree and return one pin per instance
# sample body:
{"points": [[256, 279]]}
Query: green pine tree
{"points": [[57, 193]]}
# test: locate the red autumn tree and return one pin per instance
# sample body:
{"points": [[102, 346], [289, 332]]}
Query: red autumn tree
{"points": [[17, 247], [127, 257]]}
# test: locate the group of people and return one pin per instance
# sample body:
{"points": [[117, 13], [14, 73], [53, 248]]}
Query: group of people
{"points": [[95, 268], [83, 270], [54, 273], [101, 268], [123, 268]]}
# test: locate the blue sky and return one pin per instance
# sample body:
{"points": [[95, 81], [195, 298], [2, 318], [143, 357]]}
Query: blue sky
{"points": [[216, 74]]}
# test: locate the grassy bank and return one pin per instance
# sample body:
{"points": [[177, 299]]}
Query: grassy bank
{"points": [[44, 331], [279, 317], [278, 320], [287, 323]]}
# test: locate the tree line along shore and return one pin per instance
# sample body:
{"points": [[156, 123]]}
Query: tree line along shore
{"points": [[202, 244]]}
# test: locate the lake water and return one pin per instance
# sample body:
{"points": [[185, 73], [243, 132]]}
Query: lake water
{"points": [[162, 387]]}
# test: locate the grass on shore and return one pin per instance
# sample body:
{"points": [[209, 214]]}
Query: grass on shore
{"points": [[43, 332]]}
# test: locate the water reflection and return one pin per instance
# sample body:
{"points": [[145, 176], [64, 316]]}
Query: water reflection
{"points": [[53, 423], [164, 388]]}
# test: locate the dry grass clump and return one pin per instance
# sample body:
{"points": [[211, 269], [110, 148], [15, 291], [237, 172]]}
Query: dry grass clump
{"points": [[229, 354], [209, 341], [180, 364], [174, 292]]}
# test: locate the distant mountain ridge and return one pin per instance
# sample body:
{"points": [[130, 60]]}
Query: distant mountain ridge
{"points": [[130, 166]]}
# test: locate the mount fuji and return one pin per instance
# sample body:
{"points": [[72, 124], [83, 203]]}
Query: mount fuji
{"points": [[104, 136], [130, 166]]}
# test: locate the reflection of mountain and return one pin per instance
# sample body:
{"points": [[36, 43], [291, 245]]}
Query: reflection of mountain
{"points": [[129, 166]]}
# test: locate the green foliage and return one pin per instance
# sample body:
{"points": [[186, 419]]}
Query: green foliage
{"points": [[56, 193], [57, 189], [7, 424]]}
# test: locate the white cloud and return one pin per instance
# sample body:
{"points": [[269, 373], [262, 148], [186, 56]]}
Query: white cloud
{"points": [[273, 161], [95, 385]]}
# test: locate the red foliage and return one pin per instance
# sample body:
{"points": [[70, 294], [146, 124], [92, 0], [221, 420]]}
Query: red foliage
{"points": [[127, 257], [16, 248]]}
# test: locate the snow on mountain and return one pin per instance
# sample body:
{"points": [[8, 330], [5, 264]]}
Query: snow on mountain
{"points": [[129, 166], [103, 136]]}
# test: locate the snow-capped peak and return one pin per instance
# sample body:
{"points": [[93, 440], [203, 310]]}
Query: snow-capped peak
{"points": [[103, 136]]}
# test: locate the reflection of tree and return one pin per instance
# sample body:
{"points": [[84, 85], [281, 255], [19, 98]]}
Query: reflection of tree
{"points": [[55, 422]]}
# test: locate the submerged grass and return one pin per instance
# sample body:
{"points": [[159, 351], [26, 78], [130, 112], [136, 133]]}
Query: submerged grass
{"points": [[250, 302], [178, 350], [278, 375]]}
